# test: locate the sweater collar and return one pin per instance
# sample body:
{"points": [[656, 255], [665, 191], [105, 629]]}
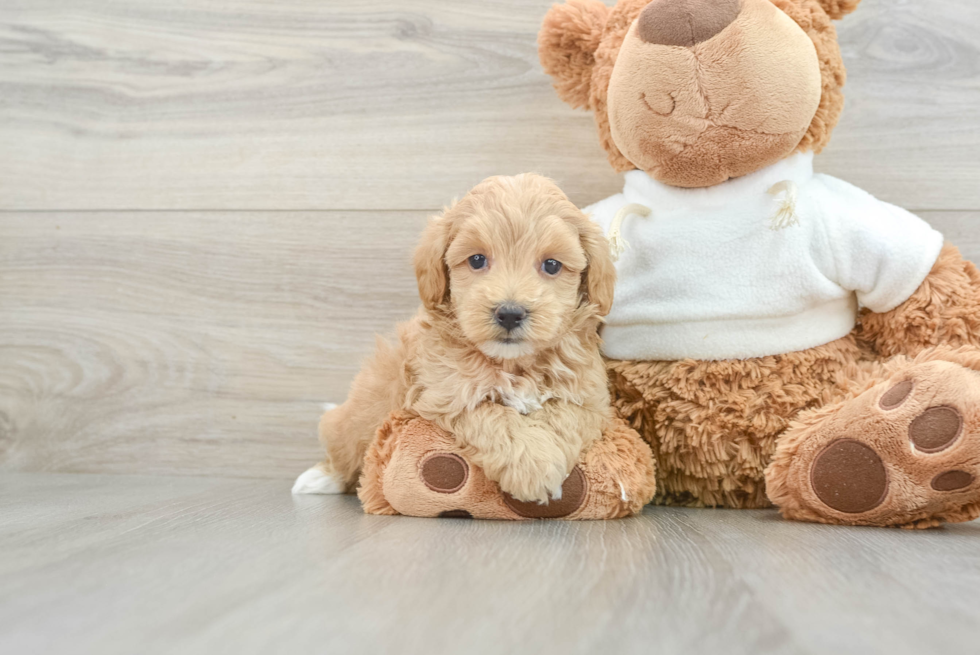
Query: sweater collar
{"points": [[643, 189]]}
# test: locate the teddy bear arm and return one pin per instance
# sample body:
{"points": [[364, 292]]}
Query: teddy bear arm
{"points": [[945, 309]]}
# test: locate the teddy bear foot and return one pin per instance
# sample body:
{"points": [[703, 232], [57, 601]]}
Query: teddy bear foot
{"points": [[905, 452], [416, 469]]}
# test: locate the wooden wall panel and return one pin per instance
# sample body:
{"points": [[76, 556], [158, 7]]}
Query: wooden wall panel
{"points": [[189, 342], [200, 343], [294, 104]]}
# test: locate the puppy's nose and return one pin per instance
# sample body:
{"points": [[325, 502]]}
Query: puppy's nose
{"points": [[685, 22], [509, 316]]}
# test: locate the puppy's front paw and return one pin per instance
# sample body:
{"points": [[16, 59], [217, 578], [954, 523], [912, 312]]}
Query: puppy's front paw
{"points": [[535, 480]]}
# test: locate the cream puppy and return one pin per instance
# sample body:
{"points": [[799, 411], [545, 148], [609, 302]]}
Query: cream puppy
{"points": [[503, 353]]}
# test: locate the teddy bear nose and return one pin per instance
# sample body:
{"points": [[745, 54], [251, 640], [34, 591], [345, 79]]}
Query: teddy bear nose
{"points": [[685, 22]]}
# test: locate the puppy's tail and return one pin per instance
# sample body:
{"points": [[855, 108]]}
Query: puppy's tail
{"points": [[320, 479]]}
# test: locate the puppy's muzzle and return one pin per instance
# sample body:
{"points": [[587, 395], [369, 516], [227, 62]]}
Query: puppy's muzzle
{"points": [[509, 316]]}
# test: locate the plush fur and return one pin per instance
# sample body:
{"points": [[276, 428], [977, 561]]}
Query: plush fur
{"points": [[941, 376], [945, 309], [522, 406], [717, 427], [714, 426], [568, 42], [837, 9], [722, 108], [575, 25]]}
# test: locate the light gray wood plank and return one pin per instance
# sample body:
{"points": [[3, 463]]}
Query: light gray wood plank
{"points": [[848, 590], [206, 104], [910, 131], [114, 564], [194, 343], [959, 228], [201, 343]]}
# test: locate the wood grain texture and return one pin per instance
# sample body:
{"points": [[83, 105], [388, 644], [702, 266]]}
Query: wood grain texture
{"points": [[120, 564], [201, 343], [194, 343], [294, 104]]}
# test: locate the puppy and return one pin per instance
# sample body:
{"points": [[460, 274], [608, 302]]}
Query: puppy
{"points": [[503, 353]]}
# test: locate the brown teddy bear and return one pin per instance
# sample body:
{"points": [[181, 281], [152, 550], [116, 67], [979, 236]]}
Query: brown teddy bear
{"points": [[777, 336]]}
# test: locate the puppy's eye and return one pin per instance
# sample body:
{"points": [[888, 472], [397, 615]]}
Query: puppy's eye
{"points": [[551, 266], [477, 262]]}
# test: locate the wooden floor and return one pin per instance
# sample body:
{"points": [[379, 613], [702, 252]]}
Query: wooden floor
{"points": [[122, 564], [207, 211]]}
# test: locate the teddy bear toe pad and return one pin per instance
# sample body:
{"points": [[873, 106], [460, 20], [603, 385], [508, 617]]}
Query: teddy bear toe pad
{"points": [[906, 452]]}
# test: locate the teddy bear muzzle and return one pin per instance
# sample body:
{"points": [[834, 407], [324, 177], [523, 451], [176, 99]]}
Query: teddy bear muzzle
{"points": [[707, 90], [685, 22]]}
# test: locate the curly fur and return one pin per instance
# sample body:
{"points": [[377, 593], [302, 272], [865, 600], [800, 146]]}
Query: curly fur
{"points": [[522, 411]]}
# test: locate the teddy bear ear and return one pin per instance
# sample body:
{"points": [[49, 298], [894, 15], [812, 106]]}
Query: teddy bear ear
{"points": [[837, 9], [567, 45]]}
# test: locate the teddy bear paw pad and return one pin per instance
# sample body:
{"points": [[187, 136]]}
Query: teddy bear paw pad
{"points": [[573, 492], [849, 477], [906, 452], [444, 472]]}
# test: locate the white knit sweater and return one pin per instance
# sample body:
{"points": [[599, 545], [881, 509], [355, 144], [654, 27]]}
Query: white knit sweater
{"points": [[719, 273]]}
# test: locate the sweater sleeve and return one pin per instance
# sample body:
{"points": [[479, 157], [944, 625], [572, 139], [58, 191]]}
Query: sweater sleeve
{"points": [[879, 251]]}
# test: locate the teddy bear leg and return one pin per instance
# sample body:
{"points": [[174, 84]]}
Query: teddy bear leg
{"points": [[415, 468], [945, 309], [902, 450], [713, 425]]}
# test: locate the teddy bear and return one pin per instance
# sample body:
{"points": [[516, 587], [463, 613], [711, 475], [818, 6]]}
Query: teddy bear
{"points": [[778, 337]]}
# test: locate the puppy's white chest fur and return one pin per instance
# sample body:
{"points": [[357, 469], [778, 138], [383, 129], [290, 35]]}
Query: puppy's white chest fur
{"points": [[524, 401]]}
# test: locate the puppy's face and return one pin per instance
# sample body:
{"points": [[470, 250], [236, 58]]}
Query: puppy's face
{"points": [[516, 261], [514, 279]]}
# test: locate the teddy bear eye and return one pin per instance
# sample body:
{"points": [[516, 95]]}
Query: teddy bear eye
{"points": [[551, 266], [477, 262]]}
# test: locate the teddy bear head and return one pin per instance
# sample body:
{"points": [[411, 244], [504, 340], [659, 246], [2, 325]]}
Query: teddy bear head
{"points": [[695, 92]]}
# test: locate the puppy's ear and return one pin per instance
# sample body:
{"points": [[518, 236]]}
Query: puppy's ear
{"points": [[837, 9], [600, 273], [567, 43], [430, 264]]}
